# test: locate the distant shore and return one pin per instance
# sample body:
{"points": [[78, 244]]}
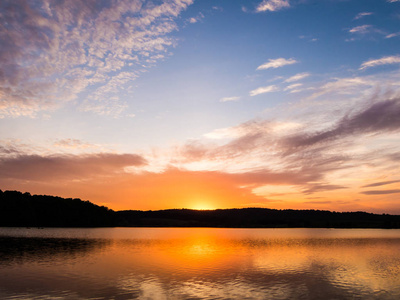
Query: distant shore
{"points": [[25, 210]]}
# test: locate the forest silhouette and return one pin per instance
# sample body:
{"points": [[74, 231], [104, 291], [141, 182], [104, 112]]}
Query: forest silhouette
{"points": [[25, 210]]}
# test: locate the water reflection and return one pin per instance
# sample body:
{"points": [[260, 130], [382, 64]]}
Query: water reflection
{"points": [[19, 250], [151, 263]]}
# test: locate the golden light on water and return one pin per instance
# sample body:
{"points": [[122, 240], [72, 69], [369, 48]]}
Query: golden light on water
{"points": [[204, 263]]}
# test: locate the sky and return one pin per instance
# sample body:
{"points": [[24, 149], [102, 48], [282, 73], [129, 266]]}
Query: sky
{"points": [[203, 104]]}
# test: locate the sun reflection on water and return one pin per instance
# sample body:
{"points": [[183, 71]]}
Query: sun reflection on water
{"points": [[203, 264]]}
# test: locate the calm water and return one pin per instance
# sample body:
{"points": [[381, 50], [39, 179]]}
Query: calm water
{"points": [[199, 263]]}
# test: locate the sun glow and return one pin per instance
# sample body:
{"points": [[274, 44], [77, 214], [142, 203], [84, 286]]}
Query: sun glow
{"points": [[202, 205]]}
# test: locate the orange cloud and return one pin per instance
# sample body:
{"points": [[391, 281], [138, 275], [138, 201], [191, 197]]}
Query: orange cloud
{"points": [[66, 167]]}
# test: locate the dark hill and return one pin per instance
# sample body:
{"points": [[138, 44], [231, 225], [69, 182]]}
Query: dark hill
{"points": [[23, 209], [256, 218], [26, 210]]}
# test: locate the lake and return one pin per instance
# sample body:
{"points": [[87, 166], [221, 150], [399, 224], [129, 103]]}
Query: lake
{"points": [[199, 263]]}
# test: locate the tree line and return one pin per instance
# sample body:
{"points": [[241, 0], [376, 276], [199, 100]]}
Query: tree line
{"points": [[25, 210]]}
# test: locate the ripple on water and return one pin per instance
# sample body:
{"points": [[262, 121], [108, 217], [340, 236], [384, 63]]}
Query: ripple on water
{"points": [[199, 264]]}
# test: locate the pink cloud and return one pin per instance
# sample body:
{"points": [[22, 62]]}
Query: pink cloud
{"points": [[67, 167], [52, 51]]}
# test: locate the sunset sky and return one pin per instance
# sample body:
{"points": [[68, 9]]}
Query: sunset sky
{"points": [[203, 103]]}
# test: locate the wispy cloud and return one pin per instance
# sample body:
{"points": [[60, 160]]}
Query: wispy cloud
{"points": [[362, 29], [264, 89], [362, 14], [343, 86], [392, 35], [387, 60], [322, 187], [227, 99], [72, 167], [196, 19], [298, 77], [382, 192], [293, 86], [73, 144], [379, 117], [222, 133], [272, 5], [308, 38], [381, 183], [53, 51], [277, 63], [365, 31]]}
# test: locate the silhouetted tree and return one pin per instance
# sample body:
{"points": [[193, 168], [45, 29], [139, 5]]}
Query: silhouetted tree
{"points": [[23, 209]]}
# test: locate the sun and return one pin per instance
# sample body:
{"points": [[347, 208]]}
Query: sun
{"points": [[201, 205]]}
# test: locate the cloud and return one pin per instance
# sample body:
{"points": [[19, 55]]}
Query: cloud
{"points": [[222, 133], [272, 5], [322, 187], [226, 99], [293, 86], [254, 160], [244, 138], [318, 202], [309, 38], [56, 51], [392, 35], [377, 118], [380, 183], [362, 14], [7, 150], [71, 167], [73, 144], [298, 77], [263, 177], [277, 63], [387, 60], [264, 89], [363, 29], [383, 192], [343, 86], [196, 19]]}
